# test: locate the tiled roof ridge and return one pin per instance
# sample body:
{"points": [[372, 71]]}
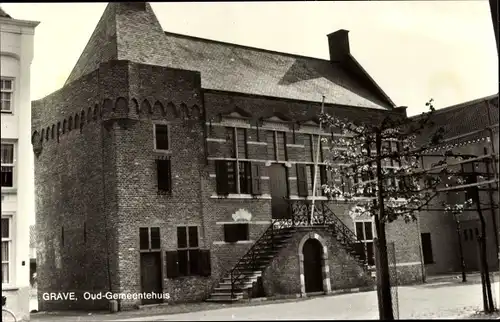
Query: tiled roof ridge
{"points": [[450, 108], [246, 46]]}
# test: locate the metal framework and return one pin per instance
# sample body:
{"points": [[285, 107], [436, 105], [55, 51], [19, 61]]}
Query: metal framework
{"points": [[490, 185]]}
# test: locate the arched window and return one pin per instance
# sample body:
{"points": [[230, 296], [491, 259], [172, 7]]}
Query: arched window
{"points": [[77, 121], [43, 134], [70, 123], [47, 134], [52, 131], [95, 112], [89, 115]]}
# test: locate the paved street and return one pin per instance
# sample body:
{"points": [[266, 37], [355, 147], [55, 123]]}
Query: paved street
{"points": [[437, 299]]}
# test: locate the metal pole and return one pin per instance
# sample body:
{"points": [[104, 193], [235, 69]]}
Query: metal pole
{"points": [[462, 261], [316, 165]]}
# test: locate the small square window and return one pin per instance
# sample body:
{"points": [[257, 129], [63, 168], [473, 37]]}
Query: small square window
{"points": [[235, 232]]}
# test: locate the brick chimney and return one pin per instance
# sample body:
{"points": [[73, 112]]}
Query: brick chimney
{"points": [[338, 43]]}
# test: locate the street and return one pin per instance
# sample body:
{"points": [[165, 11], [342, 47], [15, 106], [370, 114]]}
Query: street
{"points": [[438, 300], [442, 298]]}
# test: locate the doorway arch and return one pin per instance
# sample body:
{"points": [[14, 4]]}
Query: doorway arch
{"points": [[315, 245]]}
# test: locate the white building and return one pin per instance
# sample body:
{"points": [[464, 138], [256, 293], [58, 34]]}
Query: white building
{"points": [[17, 179]]}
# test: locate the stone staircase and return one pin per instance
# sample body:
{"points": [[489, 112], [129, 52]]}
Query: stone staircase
{"points": [[239, 282]]}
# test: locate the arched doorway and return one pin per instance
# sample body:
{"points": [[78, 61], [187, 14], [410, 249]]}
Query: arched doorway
{"points": [[313, 265]]}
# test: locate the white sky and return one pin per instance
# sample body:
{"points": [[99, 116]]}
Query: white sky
{"points": [[415, 50]]}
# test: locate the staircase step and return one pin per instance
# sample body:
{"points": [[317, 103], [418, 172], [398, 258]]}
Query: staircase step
{"points": [[225, 297], [222, 300]]}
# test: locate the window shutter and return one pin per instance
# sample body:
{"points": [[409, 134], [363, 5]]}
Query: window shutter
{"points": [[323, 175], [230, 235], [172, 264], [256, 181], [205, 263], [302, 180], [221, 174]]}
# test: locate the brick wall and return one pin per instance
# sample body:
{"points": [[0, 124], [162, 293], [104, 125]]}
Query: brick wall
{"points": [[98, 181], [282, 276]]}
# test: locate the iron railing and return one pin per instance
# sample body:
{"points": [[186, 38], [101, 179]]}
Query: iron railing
{"points": [[299, 215]]}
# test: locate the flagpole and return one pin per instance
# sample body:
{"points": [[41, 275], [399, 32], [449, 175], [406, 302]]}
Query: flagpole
{"points": [[316, 165]]}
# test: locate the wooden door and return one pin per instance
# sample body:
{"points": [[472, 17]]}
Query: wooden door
{"points": [[151, 276], [470, 246], [279, 190], [313, 273]]}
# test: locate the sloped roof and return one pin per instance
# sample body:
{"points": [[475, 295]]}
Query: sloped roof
{"points": [[236, 68], [464, 118], [131, 31], [4, 14]]}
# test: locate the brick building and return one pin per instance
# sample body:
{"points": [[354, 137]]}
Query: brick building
{"points": [[164, 159], [444, 236]]}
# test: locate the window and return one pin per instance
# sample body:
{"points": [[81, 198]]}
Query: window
{"points": [[281, 146], [235, 232], [164, 174], [321, 179], [161, 137], [149, 238], [364, 233], [6, 247], [6, 95], [248, 177], [427, 248], [245, 177], [466, 236], [188, 250], [7, 157]]}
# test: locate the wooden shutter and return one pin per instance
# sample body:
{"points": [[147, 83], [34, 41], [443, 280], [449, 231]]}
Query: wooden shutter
{"points": [[256, 181], [172, 264], [230, 235], [221, 174], [205, 263], [302, 180], [323, 175]]}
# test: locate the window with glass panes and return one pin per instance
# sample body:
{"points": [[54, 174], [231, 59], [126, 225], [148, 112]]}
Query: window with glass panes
{"points": [[149, 239], [6, 248], [188, 250], [237, 176], [6, 95], [364, 234], [7, 159]]}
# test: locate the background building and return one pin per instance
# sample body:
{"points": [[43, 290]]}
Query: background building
{"points": [[16, 50], [445, 237]]}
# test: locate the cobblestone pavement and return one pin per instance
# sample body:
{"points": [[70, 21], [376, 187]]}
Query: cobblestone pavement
{"points": [[441, 299]]}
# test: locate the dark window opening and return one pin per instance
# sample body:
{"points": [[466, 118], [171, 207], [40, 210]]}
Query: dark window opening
{"points": [[188, 252], [236, 232], [161, 137], [149, 238], [427, 248], [164, 173], [245, 177], [249, 177]]}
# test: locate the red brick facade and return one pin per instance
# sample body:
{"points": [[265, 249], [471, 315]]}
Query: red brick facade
{"points": [[96, 174]]}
